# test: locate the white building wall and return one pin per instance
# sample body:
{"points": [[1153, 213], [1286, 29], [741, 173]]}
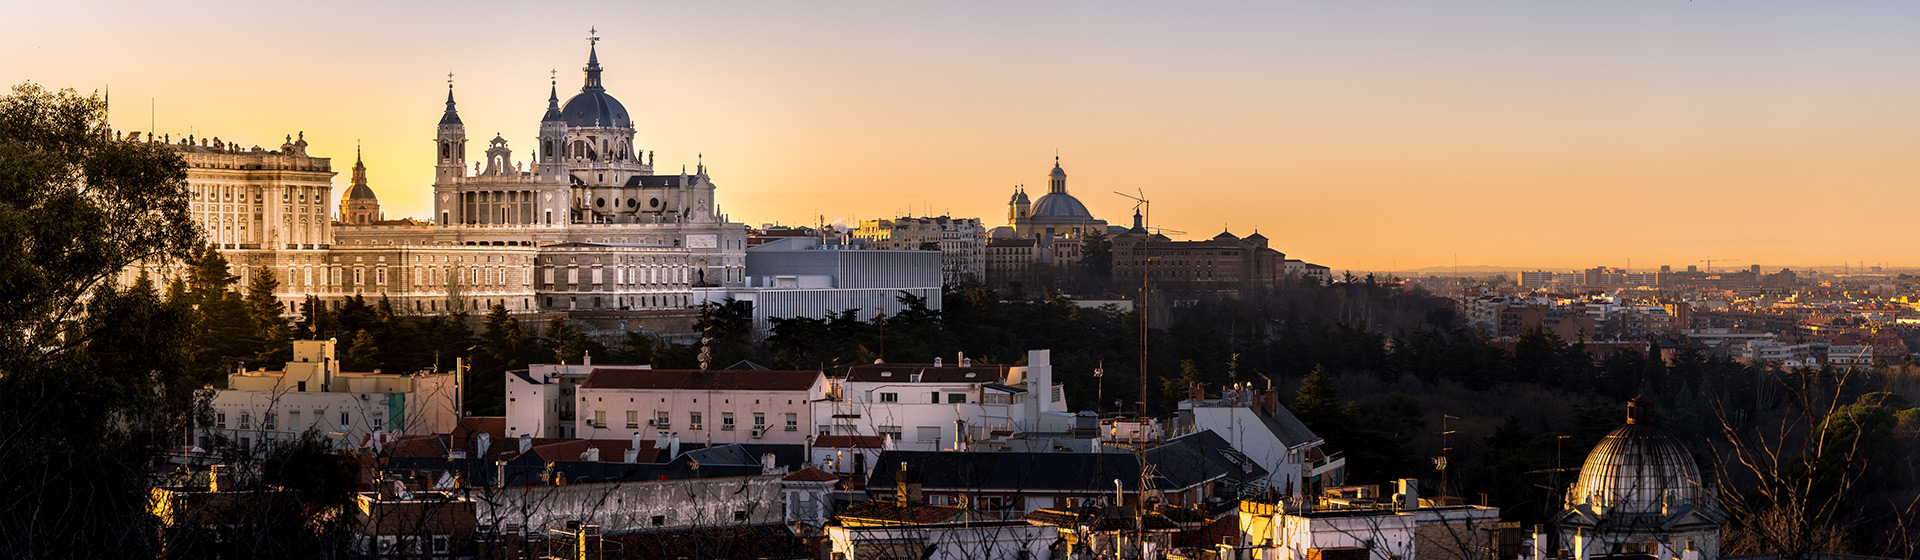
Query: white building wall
{"points": [[948, 542], [614, 405]]}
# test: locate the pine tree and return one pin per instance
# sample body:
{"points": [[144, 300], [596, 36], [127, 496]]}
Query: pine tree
{"points": [[363, 354], [1317, 403]]}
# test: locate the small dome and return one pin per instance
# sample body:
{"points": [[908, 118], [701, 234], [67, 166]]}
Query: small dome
{"points": [[1061, 205], [1638, 468], [1057, 173]]}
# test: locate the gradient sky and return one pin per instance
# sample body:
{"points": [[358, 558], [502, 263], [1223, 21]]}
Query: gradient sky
{"points": [[1360, 135]]}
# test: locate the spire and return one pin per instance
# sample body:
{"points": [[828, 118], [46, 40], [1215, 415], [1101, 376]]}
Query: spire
{"points": [[452, 116], [553, 97], [593, 63]]}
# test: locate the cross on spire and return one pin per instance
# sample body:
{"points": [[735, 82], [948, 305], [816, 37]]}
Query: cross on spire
{"points": [[554, 75], [593, 36], [449, 80]]}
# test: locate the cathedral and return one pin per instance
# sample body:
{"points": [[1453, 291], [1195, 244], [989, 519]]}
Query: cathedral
{"points": [[586, 224]]}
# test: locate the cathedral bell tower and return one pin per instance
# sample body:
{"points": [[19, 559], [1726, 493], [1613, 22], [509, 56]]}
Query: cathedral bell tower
{"points": [[452, 142], [553, 138]]}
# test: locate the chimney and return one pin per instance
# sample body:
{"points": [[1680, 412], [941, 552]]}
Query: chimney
{"points": [[937, 362], [673, 446], [591, 455], [1409, 494], [481, 445], [219, 478], [964, 362], [767, 464], [634, 449], [526, 442], [499, 473], [1539, 542], [586, 358], [908, 487]]}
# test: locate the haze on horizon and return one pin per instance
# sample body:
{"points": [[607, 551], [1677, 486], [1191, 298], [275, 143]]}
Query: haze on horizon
{"points": [[1392, 136]]}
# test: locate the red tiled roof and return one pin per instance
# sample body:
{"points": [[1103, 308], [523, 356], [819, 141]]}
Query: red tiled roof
{"points": [[844, 441], [810, 474], [724, 380]]}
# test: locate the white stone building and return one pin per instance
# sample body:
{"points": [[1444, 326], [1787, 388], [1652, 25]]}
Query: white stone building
{"points": [[311, 393]]}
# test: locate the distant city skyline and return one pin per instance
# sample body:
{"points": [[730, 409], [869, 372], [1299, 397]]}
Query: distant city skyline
{"points": [[1392, 137]]}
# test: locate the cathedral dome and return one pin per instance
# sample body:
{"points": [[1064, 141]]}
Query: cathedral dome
{"points": [[1638, 468], [595, 108], [1060, 205], [592, 107]]}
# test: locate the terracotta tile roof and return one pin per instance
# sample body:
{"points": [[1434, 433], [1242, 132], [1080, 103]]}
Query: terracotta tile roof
{"points": [[903, 373], [724, 380], [810, 474], [843, 441]]}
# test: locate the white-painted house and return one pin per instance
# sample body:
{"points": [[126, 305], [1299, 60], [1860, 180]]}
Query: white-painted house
{"points": [[930, 407], [715, 407], [540, 399], [1255, 423], [311, 393]]}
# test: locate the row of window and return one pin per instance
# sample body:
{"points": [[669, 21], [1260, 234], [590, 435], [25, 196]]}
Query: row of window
{"points": [[695, 420], [270, 421], [933, 398]]}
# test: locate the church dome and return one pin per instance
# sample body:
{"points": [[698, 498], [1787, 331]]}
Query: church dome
{"points": [[592, 107], [360, 191], [1060, 205], [1638, 468]]}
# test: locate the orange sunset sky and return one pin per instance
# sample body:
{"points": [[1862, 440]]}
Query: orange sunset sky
{"points": [[1360, 135]]}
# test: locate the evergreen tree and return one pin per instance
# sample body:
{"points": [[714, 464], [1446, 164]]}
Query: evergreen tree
{"points": [[362, 354], [269, 317]]}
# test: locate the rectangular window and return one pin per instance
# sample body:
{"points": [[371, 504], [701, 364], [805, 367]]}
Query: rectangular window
{"points": [[293, 420], [633, 418], [220, 420], [935, 398], [379, 422], [380, 276], [344, 421], [929, 434], [693, 419], [596, 275], [889, 397], [549, 274], [661, 419], [246, 420], [891, 431], [793, 422], [759, 420], [269, 421], [599, 419], [442, 544], [956, 398], [573, 276], [726, 420]]}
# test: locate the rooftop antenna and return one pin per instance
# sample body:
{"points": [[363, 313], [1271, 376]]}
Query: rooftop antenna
{"points": [[1440, 463]]}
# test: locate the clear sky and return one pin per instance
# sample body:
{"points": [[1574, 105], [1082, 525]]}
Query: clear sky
{"points": [[1360, 135]]}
